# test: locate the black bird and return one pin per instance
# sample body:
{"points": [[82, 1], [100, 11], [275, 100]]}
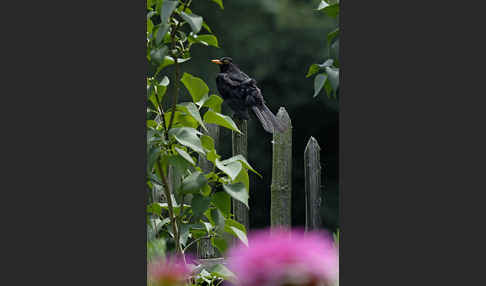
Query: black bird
{"points": [[241, 93]]}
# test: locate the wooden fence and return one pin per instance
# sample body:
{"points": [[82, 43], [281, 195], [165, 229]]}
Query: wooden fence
{"points": [[281, 187]]}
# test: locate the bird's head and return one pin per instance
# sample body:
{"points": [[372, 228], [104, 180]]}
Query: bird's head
{"points": [[225, 63]]}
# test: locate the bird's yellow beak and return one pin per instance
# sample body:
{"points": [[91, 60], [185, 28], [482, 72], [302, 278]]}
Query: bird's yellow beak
{"points": [[218, 62]]}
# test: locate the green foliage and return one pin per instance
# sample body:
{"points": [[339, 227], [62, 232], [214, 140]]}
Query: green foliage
{"points": [[336, 238], [214, 274], [328, 77], [221, 120], [238, 192], [185, 203], [155, 249]]}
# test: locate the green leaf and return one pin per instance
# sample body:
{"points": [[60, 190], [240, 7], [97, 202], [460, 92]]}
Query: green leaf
{"points": [[205, 26], [185, 155], [200, 204], [220, 3], [193, 183], [165, 81], [221, 271], [163, 29], [243, 178], [154, 208], [218, 219], [161, 89], [333, 75], [214, 102], [196, 86], [313, 69], [167, 8], [332, 35], [238, 192], [191, 109], [332, 10], [237, 229], [212, 156], [223, 202], [219, 119], [232, 222], [334, 51], [176, 206], [168, 61], [322, 5], [150, 26], [206, 190], [155, 248], [207, 142], [220, 243], [188, 137], [319, 82], [152, 177], [336, 238], [231, 169], [150, 14], [184, 233], [152, 156], [242, 159], [194, 21], [240, 234], [157, 55], [327, 63], [207, 39], [208, 226], [181, 119], [328, 89]]}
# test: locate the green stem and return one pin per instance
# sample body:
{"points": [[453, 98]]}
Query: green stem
{"points": [[170, 207], [177, 67], [162, 115], [194, 241]]}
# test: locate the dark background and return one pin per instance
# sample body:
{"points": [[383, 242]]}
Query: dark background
{"points": [[275, 42]]}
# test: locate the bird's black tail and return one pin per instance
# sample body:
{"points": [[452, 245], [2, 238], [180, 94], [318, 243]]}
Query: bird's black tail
{"points": [[269, 122]]}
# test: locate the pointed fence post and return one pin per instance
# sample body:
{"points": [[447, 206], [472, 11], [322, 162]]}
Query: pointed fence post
{"points": [[281, 189], [205, 249], [240, 147], [313, 200]]}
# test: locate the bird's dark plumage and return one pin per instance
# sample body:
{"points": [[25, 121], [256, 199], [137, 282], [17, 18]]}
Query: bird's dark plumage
{"points": [[241, 93]]}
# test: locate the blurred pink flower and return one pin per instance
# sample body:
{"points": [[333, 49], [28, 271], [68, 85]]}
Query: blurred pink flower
{"points": [[168, 272], [282, 257]]}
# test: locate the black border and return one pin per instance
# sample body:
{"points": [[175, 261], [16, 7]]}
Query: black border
{"points": [[76, 166]]}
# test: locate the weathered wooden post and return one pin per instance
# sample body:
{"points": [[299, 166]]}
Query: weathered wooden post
{"points": [[204, 247], [281, 189], [240, 146], [312, 168]]}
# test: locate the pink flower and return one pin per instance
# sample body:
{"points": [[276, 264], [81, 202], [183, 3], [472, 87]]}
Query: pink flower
{"points": [[168, 272], [282, 257]]}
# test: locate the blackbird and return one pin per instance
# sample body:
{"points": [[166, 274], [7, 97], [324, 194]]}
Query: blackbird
{"points": [[241, 93]]}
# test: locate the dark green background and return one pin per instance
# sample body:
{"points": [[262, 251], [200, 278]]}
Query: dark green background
{"points": [[275, 41]]}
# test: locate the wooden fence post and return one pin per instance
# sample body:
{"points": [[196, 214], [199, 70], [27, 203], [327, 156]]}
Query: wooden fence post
{"points": [[240, 146], [205, 249], [312, 168], [281, 188]]}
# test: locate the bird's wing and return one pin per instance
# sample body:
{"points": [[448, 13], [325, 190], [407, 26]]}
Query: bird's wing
{"points": [[224, 87], [225, 78], [238, 76]]}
